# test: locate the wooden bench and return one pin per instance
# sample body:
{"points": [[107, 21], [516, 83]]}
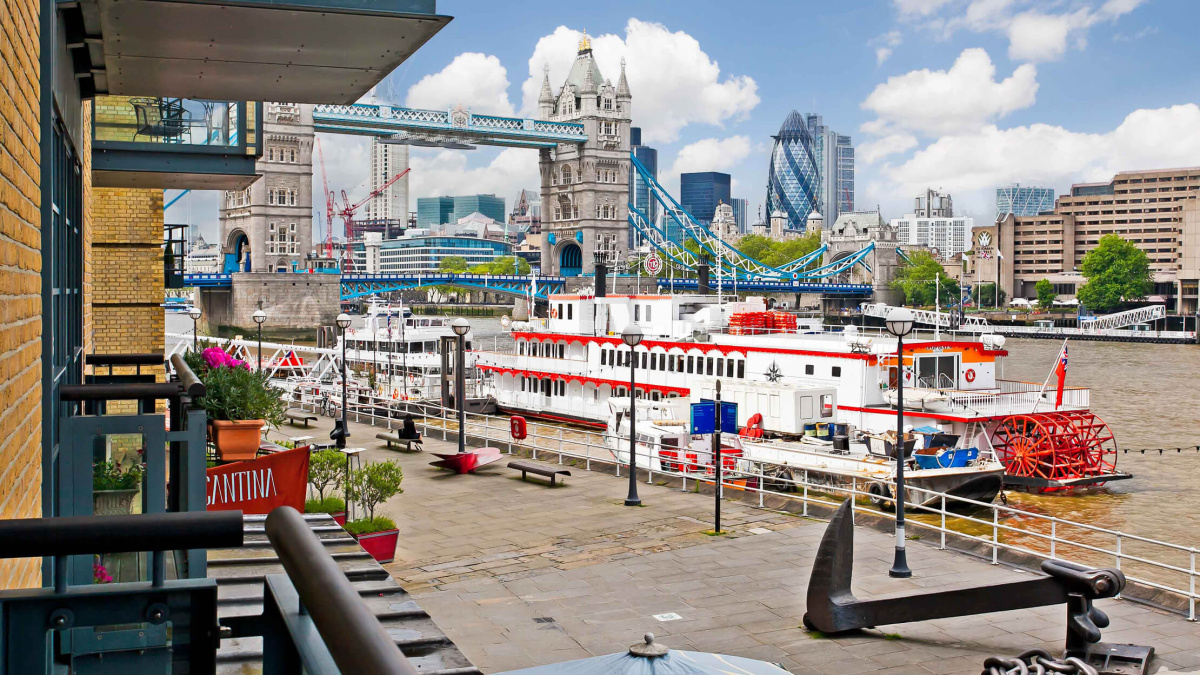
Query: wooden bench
{"points": [[296, 416], [394, 442], [539, 470]]}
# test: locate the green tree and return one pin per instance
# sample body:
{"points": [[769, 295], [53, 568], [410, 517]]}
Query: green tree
{"points": [[920, 280], [1045, 293], [503, 265], [454, 264], [1117, 272], [326, 471], [374, 484], [985, 296]]}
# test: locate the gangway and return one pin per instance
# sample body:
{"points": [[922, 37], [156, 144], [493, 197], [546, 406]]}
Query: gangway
{"points": [[924, 316], [1127, 318]]}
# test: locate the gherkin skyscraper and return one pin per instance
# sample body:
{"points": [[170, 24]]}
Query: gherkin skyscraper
{"points": [[794, 181]]}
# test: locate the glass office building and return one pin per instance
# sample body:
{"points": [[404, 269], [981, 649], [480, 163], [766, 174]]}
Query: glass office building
{"points": [[1023, 200], [699, 193], [793, 181], [639, 192], [432, 211]]}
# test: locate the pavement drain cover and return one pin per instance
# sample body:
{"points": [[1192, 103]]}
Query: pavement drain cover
{"points": [[543, 619], [669, 616], [759, 530]]}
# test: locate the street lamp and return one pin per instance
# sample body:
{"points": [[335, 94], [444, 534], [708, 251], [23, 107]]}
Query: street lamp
{"points": [[194, 312], [259, 317], [341, 429], [632, 336], [900, 323], [461, 328]]}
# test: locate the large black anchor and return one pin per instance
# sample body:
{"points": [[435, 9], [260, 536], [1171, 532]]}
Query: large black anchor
{"points": [[832, 608]]}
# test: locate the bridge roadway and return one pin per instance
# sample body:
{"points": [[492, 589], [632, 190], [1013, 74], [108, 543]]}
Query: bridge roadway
{"points": [[364, 285], [440, 127]]}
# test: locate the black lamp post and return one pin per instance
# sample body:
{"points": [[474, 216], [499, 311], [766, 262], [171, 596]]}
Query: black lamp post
{"points": [[194, 312], [461, 328], [342, 429], [632, 336], [900, 323], [259, 317]]}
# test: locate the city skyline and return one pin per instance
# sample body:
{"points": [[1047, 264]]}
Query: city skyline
{"points": [[1012, 104]]}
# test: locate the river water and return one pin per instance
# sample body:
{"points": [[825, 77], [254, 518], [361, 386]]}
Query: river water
{"points": [[1148, 394]]}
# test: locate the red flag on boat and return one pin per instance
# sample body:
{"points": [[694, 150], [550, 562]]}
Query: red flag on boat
{"points": [[1061, 370]]}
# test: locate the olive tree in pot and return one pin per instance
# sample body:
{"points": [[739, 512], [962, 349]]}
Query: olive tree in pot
{"points": [[326, 473], [239, 403], [369, 487]]}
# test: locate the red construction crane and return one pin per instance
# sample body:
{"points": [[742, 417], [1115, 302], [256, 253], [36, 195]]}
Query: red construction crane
{"points": [[347, 210], [329, 203]]}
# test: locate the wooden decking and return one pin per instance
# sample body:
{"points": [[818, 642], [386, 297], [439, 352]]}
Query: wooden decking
{"points": [[240, 573]]}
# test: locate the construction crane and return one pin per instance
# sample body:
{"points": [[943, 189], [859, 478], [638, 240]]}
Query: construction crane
{"points": [[330, 204], [347, 210]]}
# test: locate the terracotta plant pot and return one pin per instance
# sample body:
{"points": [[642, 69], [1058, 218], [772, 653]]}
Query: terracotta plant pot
{"points": [[113, 502], [236, 440], [381, 545]]}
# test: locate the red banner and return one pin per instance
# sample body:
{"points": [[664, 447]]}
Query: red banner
{"points": [[257, 486]]}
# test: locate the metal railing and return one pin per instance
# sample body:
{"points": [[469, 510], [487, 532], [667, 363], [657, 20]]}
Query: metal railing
{"points": [[995, 531]]}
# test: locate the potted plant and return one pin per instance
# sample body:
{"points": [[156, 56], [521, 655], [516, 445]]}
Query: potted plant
{"points": [[239, 403], [326, 471], [369, 487], [113, 489]]}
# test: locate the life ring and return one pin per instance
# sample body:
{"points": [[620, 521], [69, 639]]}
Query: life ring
{"points": [[970, 375], [553, 313], [395, 394]]}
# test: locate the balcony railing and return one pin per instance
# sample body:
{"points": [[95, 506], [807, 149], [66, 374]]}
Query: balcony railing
{"points": [[170, 121]]}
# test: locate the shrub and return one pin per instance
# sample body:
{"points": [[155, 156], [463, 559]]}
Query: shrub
{"points": [[374, 484], [326, 471], [109, 476], [233, 391], [325, 505], [368, 525]]}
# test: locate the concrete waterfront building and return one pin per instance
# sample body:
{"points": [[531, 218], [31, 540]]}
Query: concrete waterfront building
{"points": [[387, 160], [267, 227], [639, 191], [701, 192], [1158, 211], [812, 168], [585, 187], [1023, 200]]}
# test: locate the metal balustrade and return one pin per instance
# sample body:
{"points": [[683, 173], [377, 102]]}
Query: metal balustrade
{"points": [[984, 528]]}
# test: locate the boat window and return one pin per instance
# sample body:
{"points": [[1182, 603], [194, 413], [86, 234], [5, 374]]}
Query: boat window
{"points": [[827, 405], [467, 345], [562, 351], [654, 362], [729, 367], [836, 371], [654, 396], [670, 364], [809, 369], [637, 312], [710, 366], [644, 356], [522, 383], [669, 441], [720, 367], [679, 364], [570, 310], [938, 372], [648, 312], [521, 347], [662, 361], [689, 363], [742, 369], [604, 357]]}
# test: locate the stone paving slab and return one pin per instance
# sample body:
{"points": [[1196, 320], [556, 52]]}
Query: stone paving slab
{"points": [[518, 574]]}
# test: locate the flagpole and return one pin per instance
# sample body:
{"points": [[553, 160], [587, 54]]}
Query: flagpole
{"points": [[1042, 391]]}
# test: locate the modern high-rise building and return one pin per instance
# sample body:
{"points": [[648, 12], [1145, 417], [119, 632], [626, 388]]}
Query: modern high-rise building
{"points": [[933, 204], [639, 191], [434, 211], [699, 193], [812, 169], [1023, 200], [387, 160], [489, 205], [741, 214]]}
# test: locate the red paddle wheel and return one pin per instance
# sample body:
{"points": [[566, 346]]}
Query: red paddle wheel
{"points": [[1055, 450]]}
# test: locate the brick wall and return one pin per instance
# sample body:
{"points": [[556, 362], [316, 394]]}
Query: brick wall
{"points": [[20, 278]]}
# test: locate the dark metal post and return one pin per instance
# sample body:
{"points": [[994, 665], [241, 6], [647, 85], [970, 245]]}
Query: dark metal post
{"points": [[900, 565], [717, 463], [260, 347], [460, 386], [341, 441], [195, 334], [632, 499]]}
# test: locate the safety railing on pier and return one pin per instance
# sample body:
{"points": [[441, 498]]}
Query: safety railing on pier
{"points": [[1165, 572]]}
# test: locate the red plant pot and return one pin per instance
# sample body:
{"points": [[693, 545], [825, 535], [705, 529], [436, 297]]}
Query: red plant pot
{"points": [[339, 518], [381, 545]]}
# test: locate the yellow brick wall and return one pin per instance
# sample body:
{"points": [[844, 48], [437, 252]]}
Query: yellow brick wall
{"points": [[127, 271], [20, 278]]}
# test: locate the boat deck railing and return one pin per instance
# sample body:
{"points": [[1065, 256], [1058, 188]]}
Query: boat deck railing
{"points": [[1163, 573]]}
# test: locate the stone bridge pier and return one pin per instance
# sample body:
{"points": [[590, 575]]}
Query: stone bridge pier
{"points": [[295, 304]]}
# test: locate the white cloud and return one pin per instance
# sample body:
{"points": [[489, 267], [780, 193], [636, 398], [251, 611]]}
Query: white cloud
{"points": [[473, 79], [347, 167], [882, 54], [673, 81], [947, 101], [448, 172], [884, 45], [1036, 32], [970, 165], [711, 154], [873, 151]]}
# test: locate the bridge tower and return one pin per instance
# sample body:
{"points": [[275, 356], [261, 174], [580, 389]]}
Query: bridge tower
{"points": [[852, 232], [268, 226], [585, 187]]}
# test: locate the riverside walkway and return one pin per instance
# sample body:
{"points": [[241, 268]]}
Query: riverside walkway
{"points": [[518, 574]]}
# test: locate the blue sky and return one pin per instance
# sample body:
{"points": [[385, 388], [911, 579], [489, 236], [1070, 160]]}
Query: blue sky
{"points": [[959, 94]]}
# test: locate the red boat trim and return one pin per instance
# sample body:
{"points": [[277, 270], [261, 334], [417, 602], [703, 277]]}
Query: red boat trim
{"points": [[725, 350], [682, 391]]}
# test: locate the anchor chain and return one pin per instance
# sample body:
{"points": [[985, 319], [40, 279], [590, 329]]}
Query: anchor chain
{"points": [[1036, 662]]}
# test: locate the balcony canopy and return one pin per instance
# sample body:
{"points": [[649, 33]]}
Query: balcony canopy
{"points": [[306, 51]]}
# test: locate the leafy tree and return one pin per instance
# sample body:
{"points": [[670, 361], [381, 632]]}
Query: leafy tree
{"points": [[503, 265], [454, 264], [917, 281], [985, 296], [1117, 272], [326, 470], [374, 484], [1045, 293]]}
